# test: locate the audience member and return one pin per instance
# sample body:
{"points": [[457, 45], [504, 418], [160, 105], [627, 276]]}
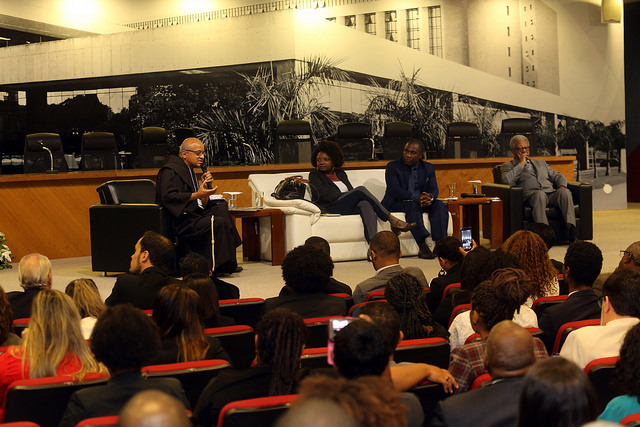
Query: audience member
{"points": [[280, 338], [124, 339], [333, 287], [368, 400], [509, 356], [211, 317], [620, 312], [7, 337], [307, 411], [53, 344], [384, 254], [532, 253], [86, 296], [408, 298], [449, 256], [556, 393], [546, 233], [360, 351], [582, 265], [509, 296], [176, 312], [34, 275], [152, 408], [628, 380], [404, 375], [306, 271], [196, 263], [477, 266], [629, 259], [147, 273], [491, 302]]}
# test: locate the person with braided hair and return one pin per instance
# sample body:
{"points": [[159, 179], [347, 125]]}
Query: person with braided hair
{"points": [[409, 299], [533, 255], [491, 302], [461, 329], [280, 338]]}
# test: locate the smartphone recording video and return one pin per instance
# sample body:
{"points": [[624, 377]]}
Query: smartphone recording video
{"points": [[334, 326], [467, 240]]}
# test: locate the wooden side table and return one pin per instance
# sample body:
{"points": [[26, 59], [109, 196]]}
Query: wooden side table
{"points": [[471, 217], [251, 232]]}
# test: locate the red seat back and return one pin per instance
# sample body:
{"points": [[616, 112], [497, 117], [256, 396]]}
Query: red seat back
{"points": [[568, 327], [449, 289], [239, 341], [434, 351], [262, 411], [375, 295], [479, 381], [245, 311], [111, 420], [457, 310]]}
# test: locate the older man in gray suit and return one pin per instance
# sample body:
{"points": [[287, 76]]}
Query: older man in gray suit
{"points": [[542, 185], [384, 254]]}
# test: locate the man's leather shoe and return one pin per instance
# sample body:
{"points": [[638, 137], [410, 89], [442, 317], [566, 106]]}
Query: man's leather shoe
{"points": [[426, 253]]}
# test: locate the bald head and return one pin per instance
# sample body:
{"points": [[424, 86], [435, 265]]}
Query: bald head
{"points": [[631, 258], [317, 413], [34, 271], [152, 408], [509, 350]]}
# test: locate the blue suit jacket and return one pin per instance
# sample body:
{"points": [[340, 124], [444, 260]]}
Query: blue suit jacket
{"points": [[397, 179]]}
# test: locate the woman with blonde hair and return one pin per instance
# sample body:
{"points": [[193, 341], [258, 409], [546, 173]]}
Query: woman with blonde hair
{"points": [[86, 296], [52, 345], [177, 313], [532, 253]]}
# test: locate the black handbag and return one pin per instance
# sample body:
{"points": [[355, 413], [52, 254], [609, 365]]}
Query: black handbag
{"points": [[290, 188]]}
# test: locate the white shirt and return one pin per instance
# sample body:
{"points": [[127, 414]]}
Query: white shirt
{"points": [[594, 342], [86, 325], [341, 186], [461, 329]]}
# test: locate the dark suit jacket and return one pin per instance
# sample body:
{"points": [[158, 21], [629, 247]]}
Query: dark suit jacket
{"points": [[495, 405], [309, 305], [326, 189], [109, 399], [580, 305], [438, 284], [21, 302], [139, 289], [397, 179]]}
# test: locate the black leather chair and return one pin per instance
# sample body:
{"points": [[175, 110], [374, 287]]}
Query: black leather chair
{"points": [[356, 141], [394, 139], [153, 147], [516, 126], [127, 209], [37, 159], [99, 151], [294, 142], [516, 215], [463, 140]]}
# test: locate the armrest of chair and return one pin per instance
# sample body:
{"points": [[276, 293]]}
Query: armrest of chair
{"points": [[294, 207], [512, 203], [582, 194]]}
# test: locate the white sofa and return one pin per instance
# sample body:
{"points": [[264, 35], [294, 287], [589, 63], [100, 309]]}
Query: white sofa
{"points": [[345, 233]]}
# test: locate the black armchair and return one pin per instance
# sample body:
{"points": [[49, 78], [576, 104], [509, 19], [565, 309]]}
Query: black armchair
{"points": [[516, 215], [127, 209], [99, 151], [395, 137], [37, 159], [294, 142]]}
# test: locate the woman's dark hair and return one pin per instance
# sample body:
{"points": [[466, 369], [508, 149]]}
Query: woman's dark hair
{"points": [[307, 270], [124, 338], [6, 316], [556, 393], [281, 335], [448, 248], [177, 312], [498, 299], [206, 290], [332, 149], [405, 293], [628, 367]]}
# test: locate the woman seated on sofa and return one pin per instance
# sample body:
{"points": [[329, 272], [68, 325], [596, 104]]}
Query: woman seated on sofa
{"points": [[336, 195]]}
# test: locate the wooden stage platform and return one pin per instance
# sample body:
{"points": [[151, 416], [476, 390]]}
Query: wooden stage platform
{"points": [[49, 213]]}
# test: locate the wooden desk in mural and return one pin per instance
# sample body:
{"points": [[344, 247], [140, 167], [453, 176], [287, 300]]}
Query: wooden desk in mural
{"points": [[50, 213]]}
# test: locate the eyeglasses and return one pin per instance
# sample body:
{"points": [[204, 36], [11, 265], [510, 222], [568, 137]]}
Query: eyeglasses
{"points": [[623, 253], [196, 152], [523, 148]]}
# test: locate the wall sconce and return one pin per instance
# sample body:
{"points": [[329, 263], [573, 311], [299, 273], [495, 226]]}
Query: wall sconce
{"points": [[611, 11]]}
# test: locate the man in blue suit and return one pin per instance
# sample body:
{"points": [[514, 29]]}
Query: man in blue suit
{"points": [[412, 189]]}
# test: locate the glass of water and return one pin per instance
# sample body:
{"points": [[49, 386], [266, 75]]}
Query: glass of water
{"points": [[452, 189], [258, 199]]}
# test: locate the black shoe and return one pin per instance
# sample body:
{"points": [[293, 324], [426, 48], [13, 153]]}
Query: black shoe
{"points": [[572, 234], [408, 226], [238, 269], [425, 252]]}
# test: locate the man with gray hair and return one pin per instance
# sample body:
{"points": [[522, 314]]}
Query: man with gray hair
{"points": [[542, 186], [34, 274], [193, 205]]}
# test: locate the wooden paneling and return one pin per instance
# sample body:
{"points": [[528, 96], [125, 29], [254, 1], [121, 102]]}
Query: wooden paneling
{"points": [[49, 213]]}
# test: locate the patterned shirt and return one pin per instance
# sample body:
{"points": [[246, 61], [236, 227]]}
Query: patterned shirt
{"points": [[466, 363]]}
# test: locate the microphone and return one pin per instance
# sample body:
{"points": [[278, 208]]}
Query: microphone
{"points": [[204, 170], [44, 147]]}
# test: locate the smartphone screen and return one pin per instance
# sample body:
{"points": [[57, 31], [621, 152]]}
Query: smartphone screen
{"points": [[466, 238], [334, 326]]}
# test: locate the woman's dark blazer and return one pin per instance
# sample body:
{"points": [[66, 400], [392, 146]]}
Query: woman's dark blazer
{"points": [[327, 191]]}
